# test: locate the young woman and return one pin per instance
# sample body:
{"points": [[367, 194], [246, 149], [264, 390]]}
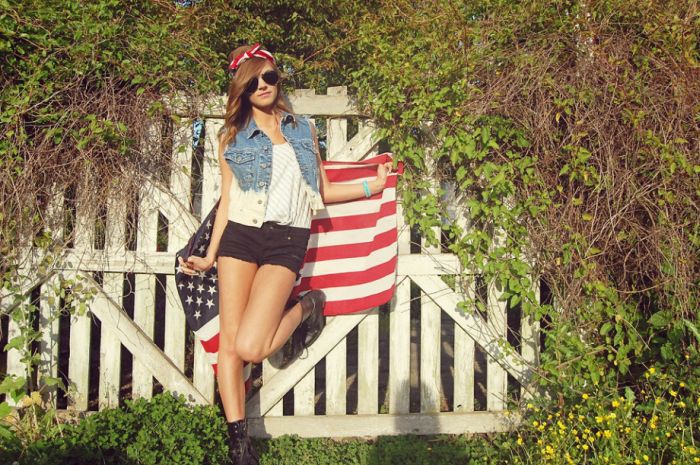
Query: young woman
{"points": [[272, 181]]}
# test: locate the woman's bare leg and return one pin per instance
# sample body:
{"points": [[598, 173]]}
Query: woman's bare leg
{"points": [[265, 326], [235, 281]]}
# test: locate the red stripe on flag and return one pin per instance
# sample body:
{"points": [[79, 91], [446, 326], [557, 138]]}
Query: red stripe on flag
{"points": [[211, 345], [348, 222], [351, 173], [348, 278], [343, 307], [359, 249]]}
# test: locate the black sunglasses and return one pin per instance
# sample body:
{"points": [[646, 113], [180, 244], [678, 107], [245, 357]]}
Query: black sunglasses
{"points": [[271, 77]]}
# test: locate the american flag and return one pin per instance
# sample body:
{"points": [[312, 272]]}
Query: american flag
{"points": [[351, 256]]}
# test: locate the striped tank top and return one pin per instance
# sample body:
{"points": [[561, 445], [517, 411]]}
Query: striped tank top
{"points": [[288, 201]]}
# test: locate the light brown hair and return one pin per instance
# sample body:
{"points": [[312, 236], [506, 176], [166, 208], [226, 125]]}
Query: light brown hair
{"points": [[238, 106]]}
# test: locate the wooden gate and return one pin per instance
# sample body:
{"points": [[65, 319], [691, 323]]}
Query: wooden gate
{"points": [[419, 365]]}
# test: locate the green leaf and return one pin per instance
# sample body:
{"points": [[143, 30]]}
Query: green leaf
{"points": [[659, 319]]}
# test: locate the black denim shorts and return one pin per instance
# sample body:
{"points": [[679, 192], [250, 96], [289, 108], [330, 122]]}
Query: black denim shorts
{"points": [[272, 243]]}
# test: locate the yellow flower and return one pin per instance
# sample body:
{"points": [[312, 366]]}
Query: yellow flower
{"points": [[585, 396], [637, 462], [584, 447], [599, 419], [682, 384], [646, 458], [535, 423], [652, 370], [615, 404], [520, 441], [673, 393], [607, 433], [681, 404]]}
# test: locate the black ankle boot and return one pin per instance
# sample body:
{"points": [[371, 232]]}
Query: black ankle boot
{"points": [[241, 449]]}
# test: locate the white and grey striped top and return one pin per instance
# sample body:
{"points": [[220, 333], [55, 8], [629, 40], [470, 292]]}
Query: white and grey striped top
{"points": [[287, 201]]}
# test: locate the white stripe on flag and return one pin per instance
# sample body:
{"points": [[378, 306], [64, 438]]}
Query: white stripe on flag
{"points": [[209, 330], [348, 265], [352, 236], [359, 290], [335, 210]]}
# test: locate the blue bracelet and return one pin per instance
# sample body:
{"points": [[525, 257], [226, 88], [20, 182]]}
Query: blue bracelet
{"points": [[365, 186]]}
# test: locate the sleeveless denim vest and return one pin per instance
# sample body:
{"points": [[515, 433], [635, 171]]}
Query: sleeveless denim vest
{"points": [[249, 156]]}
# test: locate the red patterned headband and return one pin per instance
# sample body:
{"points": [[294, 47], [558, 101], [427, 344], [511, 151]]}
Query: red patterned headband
{"points": [[255, 51]]}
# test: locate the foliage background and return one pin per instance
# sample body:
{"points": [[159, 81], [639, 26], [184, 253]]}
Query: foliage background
{"points": [[568, 130]]}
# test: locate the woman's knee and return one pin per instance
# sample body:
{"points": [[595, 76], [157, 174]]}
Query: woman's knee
{"points": [[249, 350]]}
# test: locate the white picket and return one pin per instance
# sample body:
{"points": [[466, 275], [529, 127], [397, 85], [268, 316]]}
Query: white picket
{"points": [[80, 325], [178, 234], [368, 364], [49, 308], [336, 377], [400, 329]]}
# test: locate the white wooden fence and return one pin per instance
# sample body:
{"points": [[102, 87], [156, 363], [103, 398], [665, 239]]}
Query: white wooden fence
{"points": [[419, 365]]}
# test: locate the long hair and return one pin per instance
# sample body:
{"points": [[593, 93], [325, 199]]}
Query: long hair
{"points": [[238, 106]]}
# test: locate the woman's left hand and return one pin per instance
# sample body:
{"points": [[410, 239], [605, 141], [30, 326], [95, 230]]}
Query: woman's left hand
{"points": [[383, 171]]}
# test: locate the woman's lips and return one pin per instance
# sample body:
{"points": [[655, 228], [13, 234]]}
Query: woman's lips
{"points": [[264, 94]]}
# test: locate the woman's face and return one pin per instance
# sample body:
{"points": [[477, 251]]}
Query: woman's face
{"points": [[265, 94]]}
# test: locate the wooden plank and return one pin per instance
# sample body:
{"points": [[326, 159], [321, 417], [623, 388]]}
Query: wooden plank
{"points": [[364, 142], [336, 376], [372, 142], [400, 349], [204, 378], [144, 318], [113, 286], [399, 387], [79, 359], [80, 325], [178, 234], [139, 344], [371, 426], [211, 172], [337, 132], [464, 346], [285, 379], [304, 395], [530, 337], [474, 325], [368, 364], [303, 101], [268, 373], [164, 263], [429, 355], [175, 324], [110, 346], [496, 376], [14, 363], [49, 311], [144, 292], [464, 351]]}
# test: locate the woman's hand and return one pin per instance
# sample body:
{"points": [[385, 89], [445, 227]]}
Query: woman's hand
{"points": [[195, 264], [383, 171]]}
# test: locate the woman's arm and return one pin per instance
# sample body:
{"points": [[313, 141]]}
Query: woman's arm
{"points": [[195, 263], [332, 192]]}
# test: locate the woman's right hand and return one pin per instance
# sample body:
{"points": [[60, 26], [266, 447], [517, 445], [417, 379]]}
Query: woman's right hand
{"points": [[193, 265]]}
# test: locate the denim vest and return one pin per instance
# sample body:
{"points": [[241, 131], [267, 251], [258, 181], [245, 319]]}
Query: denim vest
{"points": [[249, 156]]}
